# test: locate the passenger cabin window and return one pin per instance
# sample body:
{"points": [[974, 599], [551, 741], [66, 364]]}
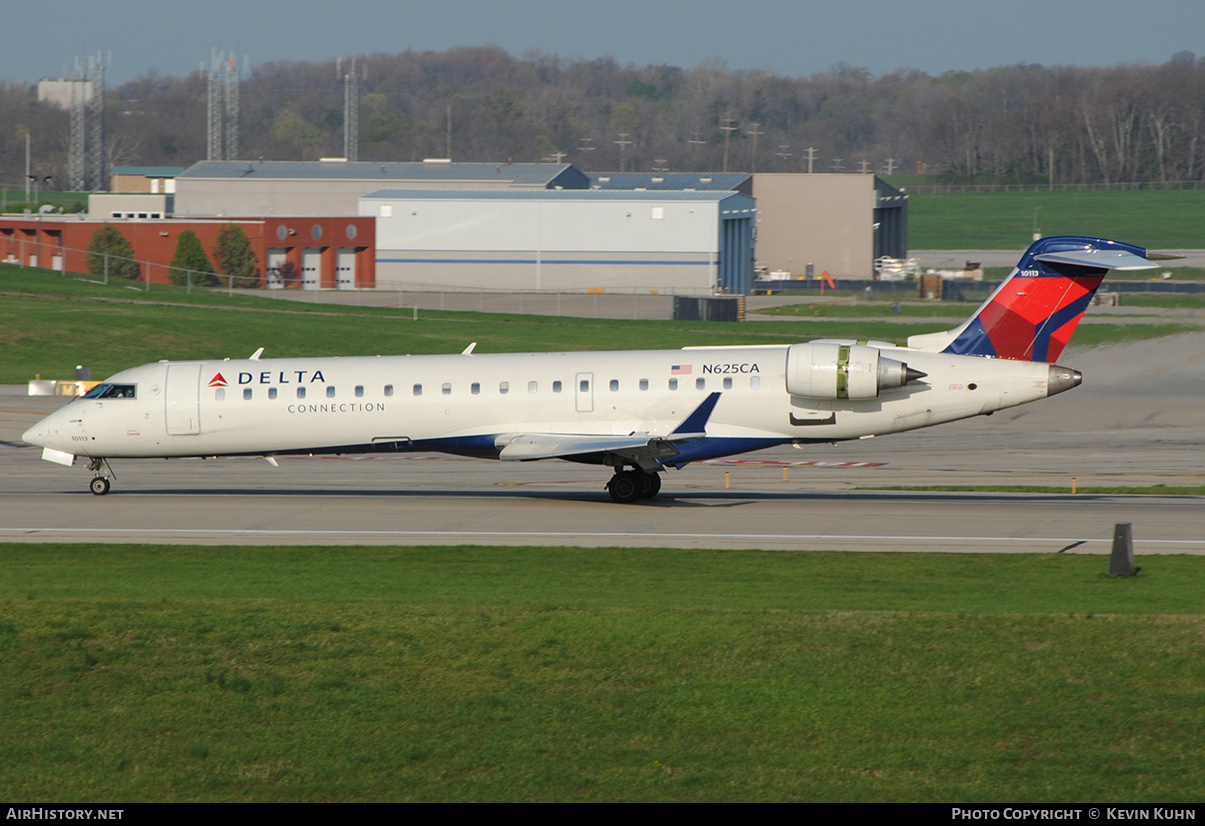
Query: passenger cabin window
{"points": [[475, 388], [271, 392], [533, 387], [673, 384], [330, 392], [755, 382], [727, 382], [247, 394], [556, 387], [359, 391], [388, 390], [446, 389], [301, 392], [700, 383], [644, 384], [584, 386], [112, 391], [504, 387], [220, 395], [614, 385], [418, 389]]}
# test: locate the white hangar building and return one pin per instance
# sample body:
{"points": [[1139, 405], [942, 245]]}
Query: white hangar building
{"points": [[674, 242]]}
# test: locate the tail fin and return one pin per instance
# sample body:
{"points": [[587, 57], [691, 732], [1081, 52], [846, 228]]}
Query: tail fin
{"points": [[1031, 316]]}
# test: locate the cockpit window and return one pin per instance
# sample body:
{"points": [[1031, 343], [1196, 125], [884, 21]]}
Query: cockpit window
{"points": [[112, 391]]}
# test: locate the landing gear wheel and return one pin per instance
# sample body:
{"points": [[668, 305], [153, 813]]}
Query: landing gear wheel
{"points": [[625, 486], [650, 485], [99, 486]]}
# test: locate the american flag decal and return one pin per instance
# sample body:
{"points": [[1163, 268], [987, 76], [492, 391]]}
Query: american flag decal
{"points": [[681, 369]]}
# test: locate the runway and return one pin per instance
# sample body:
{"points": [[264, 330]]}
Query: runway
{"points": [[1137, 421]]}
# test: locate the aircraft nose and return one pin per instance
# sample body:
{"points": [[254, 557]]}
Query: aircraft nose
{"points": [[34, 436]]}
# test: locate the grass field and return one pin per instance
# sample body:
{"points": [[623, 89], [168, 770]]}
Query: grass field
{"points": [[341, 674], [50, 323], [1172, 219]]}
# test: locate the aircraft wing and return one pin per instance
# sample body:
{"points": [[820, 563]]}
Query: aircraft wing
{"points": [[647, 450]]}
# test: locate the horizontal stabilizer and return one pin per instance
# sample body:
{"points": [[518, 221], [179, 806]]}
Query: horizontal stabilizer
{"points": [[1103, 259]]}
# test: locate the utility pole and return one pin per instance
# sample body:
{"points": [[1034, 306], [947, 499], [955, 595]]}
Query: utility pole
{"points": [[753, 133], [623, 144], [727, 129], [695, 144], [811, 158], [586, 146], [891, 166]]}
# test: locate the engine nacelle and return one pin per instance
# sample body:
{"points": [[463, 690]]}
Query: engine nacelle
{"points": [[829, 370]]}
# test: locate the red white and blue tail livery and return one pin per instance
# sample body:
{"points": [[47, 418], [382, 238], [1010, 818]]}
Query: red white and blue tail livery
{"points": [[1032, 315], [639, 412]]}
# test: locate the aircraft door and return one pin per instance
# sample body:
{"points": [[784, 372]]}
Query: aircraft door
{"points": [[182, 399], [584, 391]]}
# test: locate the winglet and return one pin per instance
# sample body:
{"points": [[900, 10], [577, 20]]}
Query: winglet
{"points": [[255, 356], [695, 425]]}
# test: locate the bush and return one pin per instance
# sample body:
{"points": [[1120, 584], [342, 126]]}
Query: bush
{"points": [[236, 257], [109, 245], [190, 263]]}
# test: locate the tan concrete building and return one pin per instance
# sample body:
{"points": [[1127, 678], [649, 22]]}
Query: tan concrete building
{"points": [[835, 222]]}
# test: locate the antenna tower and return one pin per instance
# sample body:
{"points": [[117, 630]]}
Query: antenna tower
{"points": [[351, 114], [214, 152], [98, 124], [232, 84], [76, 157]]}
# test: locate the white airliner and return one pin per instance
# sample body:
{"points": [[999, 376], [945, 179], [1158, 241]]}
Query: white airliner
{"points": [[639, 412]]}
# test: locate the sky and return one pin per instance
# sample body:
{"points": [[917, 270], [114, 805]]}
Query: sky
{"points": [[788, 37]]}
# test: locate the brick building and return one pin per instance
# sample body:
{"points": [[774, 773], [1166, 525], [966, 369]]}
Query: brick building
{"points": [[325, 253]]}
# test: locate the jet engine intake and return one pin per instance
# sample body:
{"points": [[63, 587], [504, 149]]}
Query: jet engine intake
{"points": [[830, 370]]}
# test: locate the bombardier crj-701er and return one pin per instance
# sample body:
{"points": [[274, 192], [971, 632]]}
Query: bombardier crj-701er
{"points": [[639, 412]]}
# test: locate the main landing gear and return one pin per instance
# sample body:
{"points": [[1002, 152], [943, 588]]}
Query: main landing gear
{"points": [[100, 483], [626, 486]]}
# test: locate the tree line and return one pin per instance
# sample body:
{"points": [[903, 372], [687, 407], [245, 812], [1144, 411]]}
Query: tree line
{"points": [[1013, 124]]}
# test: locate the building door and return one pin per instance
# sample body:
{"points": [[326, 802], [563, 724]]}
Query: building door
{"points": [[345, 268], [311, 273]]}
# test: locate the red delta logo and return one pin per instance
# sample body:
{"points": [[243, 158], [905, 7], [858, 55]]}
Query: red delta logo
{"points": [[218, 381]]}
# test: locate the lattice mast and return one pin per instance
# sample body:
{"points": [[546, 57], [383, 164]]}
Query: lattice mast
{"points": [[232, 125], [76, 155], [98, 182], [351, 111], [216, 113]]}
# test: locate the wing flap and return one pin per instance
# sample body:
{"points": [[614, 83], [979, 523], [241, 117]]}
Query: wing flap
{"points": [[643, 449]]}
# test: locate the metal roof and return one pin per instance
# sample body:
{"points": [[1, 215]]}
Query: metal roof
{"points": [[148, 171], [551, 195], [517, 174], [669, 180]]}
